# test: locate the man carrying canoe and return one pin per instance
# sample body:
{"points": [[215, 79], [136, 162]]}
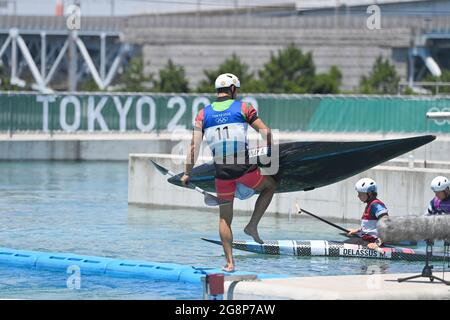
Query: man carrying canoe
{"points": [[224, 124]]}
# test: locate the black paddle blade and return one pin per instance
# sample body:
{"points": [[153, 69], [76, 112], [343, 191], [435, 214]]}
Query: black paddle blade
{"points": [[212, 241], [161, 169], [211, 200], [165, 171]]}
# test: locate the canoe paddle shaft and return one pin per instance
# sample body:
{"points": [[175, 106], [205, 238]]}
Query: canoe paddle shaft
{"points": [[300, 210]]}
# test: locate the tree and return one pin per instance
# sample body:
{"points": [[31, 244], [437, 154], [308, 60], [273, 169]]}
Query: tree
{"points": [[89, 85], [383, 78], [445, 77], [133, 78], [230, 65], [172, 79], [5, 83], [328, 82], [290, 71]]}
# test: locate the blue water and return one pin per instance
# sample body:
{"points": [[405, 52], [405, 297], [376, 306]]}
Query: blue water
{"points": [[81, 207]]}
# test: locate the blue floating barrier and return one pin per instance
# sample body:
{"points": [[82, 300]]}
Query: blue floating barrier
{"points": [[90, 265], [144, 269], [192, 275], [62, 261], [18, 259]]}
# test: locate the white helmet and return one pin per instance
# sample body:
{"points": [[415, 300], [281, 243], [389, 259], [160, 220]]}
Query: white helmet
{"points": [[440, 183], [226, 80], [366, 185]]}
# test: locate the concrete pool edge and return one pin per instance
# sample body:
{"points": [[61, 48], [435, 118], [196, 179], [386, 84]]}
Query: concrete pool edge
{"points": [[344, 287]]}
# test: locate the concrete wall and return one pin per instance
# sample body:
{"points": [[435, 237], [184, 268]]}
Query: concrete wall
{"points": [[198, 41], [405, 191], [352, 50], [105, 150]]}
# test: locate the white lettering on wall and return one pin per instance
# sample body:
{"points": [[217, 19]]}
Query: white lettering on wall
{"points": [[123, 111], [45, 104], [93, 107], [139, 121], [173, 123], [63, 113], [95, 114]]}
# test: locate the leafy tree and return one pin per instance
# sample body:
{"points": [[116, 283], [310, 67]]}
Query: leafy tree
{"points": [[445, 77], [408, 91], [230, 65], [4, 80], [172, 79], [289, 71], [5, 83], [88, 85], [328, 82], [133, 78], [383, 79]]}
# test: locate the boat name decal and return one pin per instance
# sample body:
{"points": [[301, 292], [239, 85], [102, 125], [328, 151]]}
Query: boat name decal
{"points": [[362, 253]]}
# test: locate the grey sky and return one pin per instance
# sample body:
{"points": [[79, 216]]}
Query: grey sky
{"points": [[126, 7]]}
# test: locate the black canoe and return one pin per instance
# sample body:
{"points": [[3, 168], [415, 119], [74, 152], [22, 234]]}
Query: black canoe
{"points": [[310, 165]]}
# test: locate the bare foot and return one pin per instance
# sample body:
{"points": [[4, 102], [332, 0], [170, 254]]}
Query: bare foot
{"points": [[254, 234], [228, 268]]}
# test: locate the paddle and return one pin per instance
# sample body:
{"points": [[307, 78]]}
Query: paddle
{"points": [[300, 210], [210, 200]]}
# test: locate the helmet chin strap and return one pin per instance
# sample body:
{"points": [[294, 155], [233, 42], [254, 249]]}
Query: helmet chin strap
{"points": [[233, 92], [370, 197]]}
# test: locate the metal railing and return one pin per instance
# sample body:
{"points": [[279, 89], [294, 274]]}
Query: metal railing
{"points": [[431, 84], [52, 23], [425, 23], [208, 20]]}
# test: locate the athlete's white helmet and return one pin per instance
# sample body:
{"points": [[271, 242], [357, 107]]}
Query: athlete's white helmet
{"points": [[440, 183], [366, 185], [225, 80]]}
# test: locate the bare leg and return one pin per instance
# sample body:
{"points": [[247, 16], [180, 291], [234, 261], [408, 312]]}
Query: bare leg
{"points": [[226, 235], [267, 190]]}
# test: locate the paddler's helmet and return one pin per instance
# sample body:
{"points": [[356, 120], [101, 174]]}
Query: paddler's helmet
{"points": [[226, 80], [440, 183], [366, 185]]}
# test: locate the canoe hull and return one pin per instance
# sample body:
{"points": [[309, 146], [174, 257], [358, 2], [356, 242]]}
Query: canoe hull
{"points": [[325, 248], [310, 165]]}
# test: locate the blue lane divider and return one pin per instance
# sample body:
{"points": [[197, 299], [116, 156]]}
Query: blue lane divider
{"points": [[90, 265]]}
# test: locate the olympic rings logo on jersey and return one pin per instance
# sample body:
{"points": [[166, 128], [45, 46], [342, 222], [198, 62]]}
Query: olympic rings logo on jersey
{"points": [[221, 120]]}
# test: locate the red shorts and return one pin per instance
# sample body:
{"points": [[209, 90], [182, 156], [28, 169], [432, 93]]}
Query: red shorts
{"points": [[226, 188]]}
